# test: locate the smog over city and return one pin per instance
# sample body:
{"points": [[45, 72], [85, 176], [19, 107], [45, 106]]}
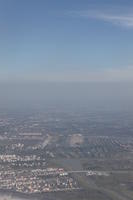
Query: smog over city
{"points": [[66, 100]]}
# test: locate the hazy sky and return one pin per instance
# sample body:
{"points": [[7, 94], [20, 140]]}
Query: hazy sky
{"points": [[66, 40]]}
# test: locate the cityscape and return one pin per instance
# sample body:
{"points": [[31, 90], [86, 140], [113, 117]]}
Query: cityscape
{"points": [[39, 156]]}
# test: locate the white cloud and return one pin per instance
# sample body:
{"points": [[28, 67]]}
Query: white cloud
{"points": [[125, 20]]}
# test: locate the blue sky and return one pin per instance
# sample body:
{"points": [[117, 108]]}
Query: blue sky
{"points": [[66, 40]]}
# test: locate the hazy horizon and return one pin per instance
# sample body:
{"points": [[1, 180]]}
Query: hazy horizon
{"points": [[93, 95]]}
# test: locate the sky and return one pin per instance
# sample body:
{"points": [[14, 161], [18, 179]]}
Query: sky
{"points": [[71, 41]]}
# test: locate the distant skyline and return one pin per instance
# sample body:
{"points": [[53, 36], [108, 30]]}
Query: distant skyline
{"points": [[66, 40]]}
